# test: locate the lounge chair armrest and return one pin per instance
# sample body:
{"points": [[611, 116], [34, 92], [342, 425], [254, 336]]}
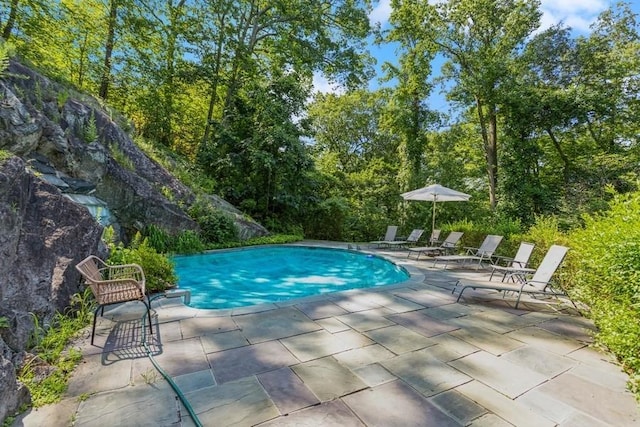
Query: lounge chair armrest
{"points": [[504, 260]]}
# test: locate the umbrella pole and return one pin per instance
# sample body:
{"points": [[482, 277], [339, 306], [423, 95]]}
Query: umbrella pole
{"points": [[433, 215]]}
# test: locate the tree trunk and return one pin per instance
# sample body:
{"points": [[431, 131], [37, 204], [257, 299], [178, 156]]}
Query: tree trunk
{"points": [[565, 160], [11, 21], [108, 50], [489, 131]]}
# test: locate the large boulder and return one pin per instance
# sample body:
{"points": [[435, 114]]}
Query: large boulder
{"points": [[87, 148], [43, 235]]}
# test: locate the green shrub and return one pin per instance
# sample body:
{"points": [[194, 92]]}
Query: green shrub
{"points": [[157, 238], [215, 225], [188, 242], [158, 269], [603, 271], [544, 233], [90, 130]]}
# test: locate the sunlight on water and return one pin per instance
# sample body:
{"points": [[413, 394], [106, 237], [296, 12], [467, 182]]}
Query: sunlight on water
{"points": [[237, 278]]}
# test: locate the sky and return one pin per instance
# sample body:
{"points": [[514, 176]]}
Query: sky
{"points": [[577, 14]]}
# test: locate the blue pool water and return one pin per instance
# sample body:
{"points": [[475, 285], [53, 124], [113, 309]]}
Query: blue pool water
{"points": [[250, 276]]}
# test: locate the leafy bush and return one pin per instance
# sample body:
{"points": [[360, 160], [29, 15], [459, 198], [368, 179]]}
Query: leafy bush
{"points": [[215, 225], [603, 270], [188, 242], [544, 233], [157, 238], [158, 269], [328, 219]]}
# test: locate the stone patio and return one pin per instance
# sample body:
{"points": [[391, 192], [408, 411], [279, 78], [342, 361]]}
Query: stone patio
{"points": [[402, 355]]}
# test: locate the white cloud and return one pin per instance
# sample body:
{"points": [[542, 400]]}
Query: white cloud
{"points": [[322, 85], [381, 13], [577, 14]]}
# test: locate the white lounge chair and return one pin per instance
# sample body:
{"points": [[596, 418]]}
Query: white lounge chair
{"points": [[389, 236], [411, 240], [538, 284], [517, 266], [435, 237], [448, 245], [483, 253]]}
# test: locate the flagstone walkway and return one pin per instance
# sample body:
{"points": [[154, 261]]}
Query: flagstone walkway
{"points": [[402, 355]]}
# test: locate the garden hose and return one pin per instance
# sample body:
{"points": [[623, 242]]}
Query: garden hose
{"points": [[166, 376]]}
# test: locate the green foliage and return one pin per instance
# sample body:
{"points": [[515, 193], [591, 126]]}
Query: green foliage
{"points": [[188, 242], [328, 219], [5, 52], [215, 225], [4, 322], [158, 269], [5, 155], [603, 270], [157, 238], [120, 157], [46, 373], [90, 129], [61, 98], [275, 239]]}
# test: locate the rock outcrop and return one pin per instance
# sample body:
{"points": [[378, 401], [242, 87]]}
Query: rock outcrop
{"points": [[64, 142], [43, 235]]}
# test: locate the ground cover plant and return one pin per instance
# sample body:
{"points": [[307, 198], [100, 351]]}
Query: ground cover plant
{"points": [[51, 357]]}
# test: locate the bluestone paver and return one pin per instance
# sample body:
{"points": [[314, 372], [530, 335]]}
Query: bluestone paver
{"points": [[374, 374], [363, 356], [544, 362], [595, 400], [314, 345], [547, 340], [274, 324], [396, 403], [328, 379], [505, 408], [487, 340], [458, 406], [421, 323], [498, 373], [223, 341], [243, 402], [236, 363], [287, 390], [130, 406], [328, 414], [399, 339], [425, 373], [366, 320]]}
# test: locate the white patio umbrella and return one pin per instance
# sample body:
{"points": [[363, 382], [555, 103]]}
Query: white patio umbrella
{"points": [[436, 193]]}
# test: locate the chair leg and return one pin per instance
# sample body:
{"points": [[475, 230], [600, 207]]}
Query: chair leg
{"points": [[149, 314], [95, 315]]}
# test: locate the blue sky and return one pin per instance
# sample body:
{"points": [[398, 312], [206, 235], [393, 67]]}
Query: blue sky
{"points": [[577, 14]]}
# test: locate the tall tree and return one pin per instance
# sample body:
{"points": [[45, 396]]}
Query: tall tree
{"points": [[479, 39], [408, 114]]}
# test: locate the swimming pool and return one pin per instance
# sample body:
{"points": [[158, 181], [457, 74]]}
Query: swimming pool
{"points": [[249, 276]]}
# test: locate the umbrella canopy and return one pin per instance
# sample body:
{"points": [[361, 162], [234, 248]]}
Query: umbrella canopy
{"points": [[436, 193]]}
